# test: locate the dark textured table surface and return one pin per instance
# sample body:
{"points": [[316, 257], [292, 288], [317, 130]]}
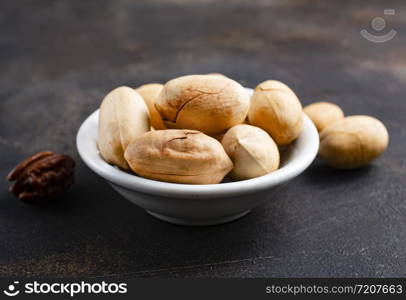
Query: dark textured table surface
{"points": [[59, 58]]}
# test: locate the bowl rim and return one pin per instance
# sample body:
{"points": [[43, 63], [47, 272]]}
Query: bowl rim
{"points": [[304, 152]]}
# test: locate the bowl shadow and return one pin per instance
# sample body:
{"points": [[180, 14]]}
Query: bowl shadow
{"points": [[319, 173]]}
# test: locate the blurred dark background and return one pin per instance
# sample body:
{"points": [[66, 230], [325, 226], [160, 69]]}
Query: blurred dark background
{"points": [[59, 58]]}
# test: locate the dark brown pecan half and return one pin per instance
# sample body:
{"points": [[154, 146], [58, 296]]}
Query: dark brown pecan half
{"points": [[42, 176]]}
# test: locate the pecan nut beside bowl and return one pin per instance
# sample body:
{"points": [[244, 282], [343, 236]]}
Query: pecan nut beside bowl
{"points": [[41, 177]]}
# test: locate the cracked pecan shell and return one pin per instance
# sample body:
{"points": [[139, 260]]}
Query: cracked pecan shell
{"points": [[41, 177], [276, 109], [207, 103], [180, 156]]}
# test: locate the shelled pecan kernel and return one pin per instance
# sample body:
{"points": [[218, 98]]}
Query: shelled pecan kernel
{"points": [[42, 176]]}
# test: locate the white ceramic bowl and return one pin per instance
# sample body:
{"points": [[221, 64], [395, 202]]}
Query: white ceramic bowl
{"points": [[188, 204]]}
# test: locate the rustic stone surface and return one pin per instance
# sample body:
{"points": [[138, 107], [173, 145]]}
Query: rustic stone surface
{"points": [[59, 58]]}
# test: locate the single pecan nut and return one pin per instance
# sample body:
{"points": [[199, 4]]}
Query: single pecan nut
{"points": [[42, 176]]}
